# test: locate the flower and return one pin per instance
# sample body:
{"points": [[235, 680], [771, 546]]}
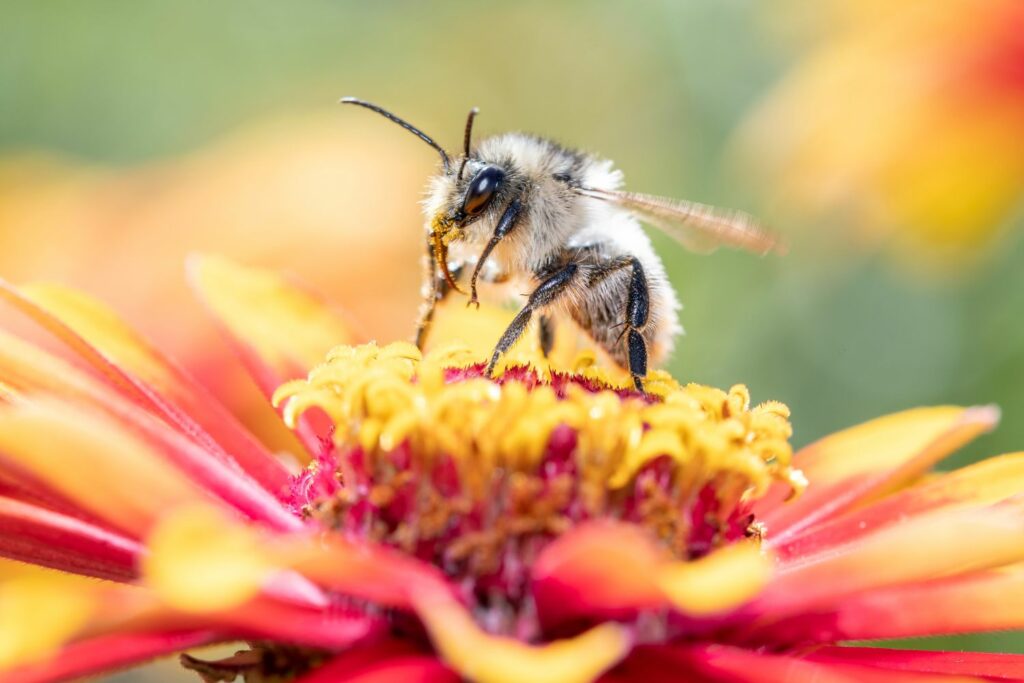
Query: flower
{"points": [[905, 118], [549, 524]]}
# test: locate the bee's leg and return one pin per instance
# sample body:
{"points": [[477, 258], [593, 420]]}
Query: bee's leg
{"points": [[435, 289], [505, 225], [638, 308], [638, 305], [547, 334], [545, 294]]}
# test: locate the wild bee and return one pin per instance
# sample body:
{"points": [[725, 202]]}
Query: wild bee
{"points": [[517, 207]]}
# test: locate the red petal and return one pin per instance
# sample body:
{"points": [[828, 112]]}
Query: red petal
{"points": [[388, 662], [364, 570], [266, 619], [745, 666], [861, 462], [87, 458], [656, 664], [44, 537], [226, 482], [127, 455], [1006, 667], [106, 654], [983, 483], [138, 371]]}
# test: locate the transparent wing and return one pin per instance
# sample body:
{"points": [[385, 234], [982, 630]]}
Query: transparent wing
{"points": [[697, 227]]}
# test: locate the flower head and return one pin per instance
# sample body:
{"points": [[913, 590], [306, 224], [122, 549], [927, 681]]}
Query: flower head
{"points": [[546, 525]]}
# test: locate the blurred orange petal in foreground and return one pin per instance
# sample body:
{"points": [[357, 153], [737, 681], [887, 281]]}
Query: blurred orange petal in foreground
{"points": [[906, 118], [332, 200], [547, 524]]}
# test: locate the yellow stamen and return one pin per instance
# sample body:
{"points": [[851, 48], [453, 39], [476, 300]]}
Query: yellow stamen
{"points": [[381, 398]]}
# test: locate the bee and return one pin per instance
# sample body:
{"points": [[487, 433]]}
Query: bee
{"points": [[521, 208]]}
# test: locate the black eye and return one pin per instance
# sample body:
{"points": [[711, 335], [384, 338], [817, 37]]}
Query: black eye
{"points": [[481, 189]]}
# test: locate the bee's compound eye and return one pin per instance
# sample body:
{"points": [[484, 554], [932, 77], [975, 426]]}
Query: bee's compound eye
{"points": [[481, 189]]}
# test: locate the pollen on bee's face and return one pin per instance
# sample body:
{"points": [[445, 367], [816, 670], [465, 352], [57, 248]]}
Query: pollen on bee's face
{"points": [[476, 476]]}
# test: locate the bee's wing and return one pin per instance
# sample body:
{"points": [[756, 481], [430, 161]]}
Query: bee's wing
{"points": [[697, 227]]}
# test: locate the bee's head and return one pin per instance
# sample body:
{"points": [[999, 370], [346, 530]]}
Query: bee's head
{"points": [[457, 197]]}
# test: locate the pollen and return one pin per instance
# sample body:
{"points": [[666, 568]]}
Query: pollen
{"points": [[433, 456]]}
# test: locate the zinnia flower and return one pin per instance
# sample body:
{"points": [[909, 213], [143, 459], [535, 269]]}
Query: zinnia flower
{"points": [[907, 119], [547, 525]]}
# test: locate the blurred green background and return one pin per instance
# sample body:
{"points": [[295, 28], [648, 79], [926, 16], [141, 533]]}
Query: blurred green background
{"points": [[840, 334]]}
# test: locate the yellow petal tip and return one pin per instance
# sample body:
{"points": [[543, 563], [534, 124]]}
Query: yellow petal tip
{"points": [[200, 561], [718, 583]]}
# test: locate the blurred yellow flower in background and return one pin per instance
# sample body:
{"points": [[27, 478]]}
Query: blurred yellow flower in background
{"points": [[906, 119]]}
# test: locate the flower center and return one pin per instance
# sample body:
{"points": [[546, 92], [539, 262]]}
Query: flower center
{"points": [[477, 475]]}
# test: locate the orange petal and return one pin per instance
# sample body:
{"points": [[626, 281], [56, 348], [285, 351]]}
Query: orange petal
{"points": [[939, 544], [486, 658], [600, 569], [846, 468], [990, 601], [137, 370], [27, 369], [90, 459], [983, 483], [282, 328]]}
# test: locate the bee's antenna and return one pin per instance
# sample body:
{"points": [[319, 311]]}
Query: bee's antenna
{"points": [[404, 124], [469, 136]]}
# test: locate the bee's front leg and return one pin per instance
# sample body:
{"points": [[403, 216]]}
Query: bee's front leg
{"points": [[545, 294], [505, 225], [435, 289]]}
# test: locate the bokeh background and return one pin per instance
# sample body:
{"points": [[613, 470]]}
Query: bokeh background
{"points": [[885, 140]]}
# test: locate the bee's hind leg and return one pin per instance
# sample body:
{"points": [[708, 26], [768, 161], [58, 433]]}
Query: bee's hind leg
{"points": [[638, 305], [638, 308], [545, 294]]}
